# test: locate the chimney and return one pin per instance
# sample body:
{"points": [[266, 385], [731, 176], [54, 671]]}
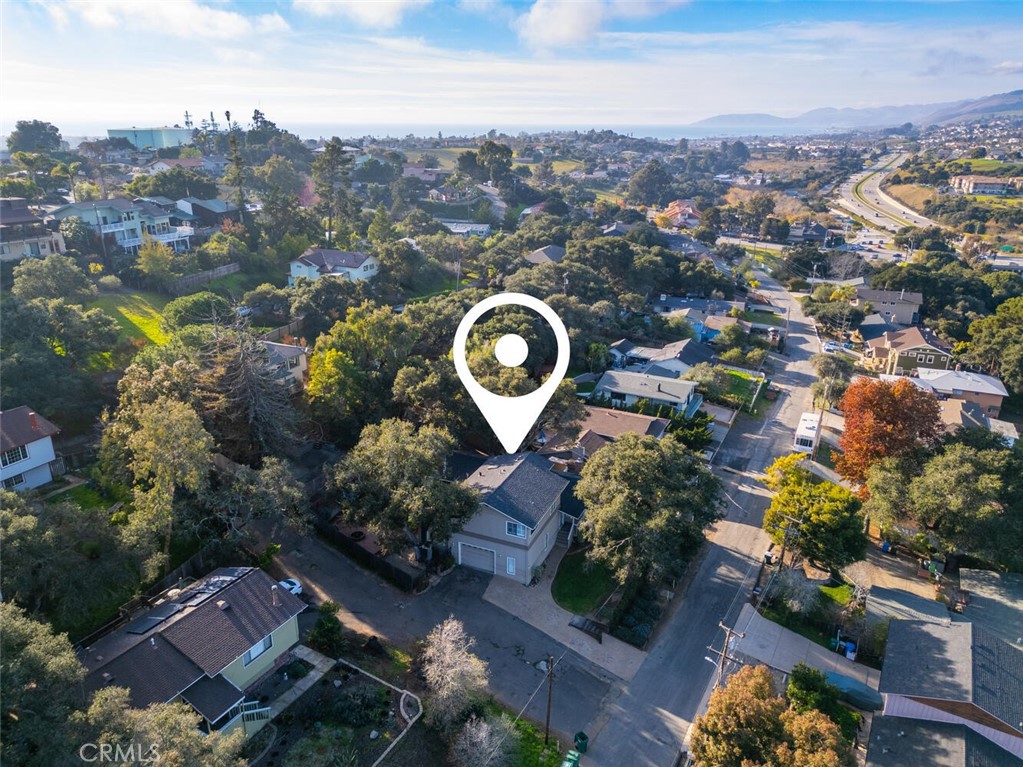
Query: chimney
{"points": [[32, 419], [275, 595], [152, 642], [223, 604], [902, 294]]}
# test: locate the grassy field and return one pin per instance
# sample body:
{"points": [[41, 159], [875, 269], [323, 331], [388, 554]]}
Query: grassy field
{"points": [[765, 318], [997, 200], [982, 165], [139, 315], [912, 195], [234, 286], [579, 589], [565, 166], [605, 195]]}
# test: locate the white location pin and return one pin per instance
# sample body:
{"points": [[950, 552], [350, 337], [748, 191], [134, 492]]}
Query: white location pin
{"points": [[511, 418]]}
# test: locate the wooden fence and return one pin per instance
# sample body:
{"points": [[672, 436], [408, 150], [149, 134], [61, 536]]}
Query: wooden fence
{"points": [[189, 282], [293, 328]]}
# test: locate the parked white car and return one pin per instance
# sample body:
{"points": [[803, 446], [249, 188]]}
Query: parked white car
{"points": [[291, 585]]}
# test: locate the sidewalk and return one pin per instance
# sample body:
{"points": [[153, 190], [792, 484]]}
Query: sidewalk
{"points": [[321, 665], [536, 606]]}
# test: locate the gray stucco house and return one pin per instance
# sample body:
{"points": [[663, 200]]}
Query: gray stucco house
{"points": [[518, 520]]}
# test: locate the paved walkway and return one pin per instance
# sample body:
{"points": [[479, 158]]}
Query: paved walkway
{"points": [[536, 606], [779, 648], [321, 665]]}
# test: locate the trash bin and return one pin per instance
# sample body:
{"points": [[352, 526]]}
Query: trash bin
{"points": [[581, 742]]}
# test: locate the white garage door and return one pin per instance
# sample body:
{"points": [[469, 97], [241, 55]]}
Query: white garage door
{"points": [[477, 557]]}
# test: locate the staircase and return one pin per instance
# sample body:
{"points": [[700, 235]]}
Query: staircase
{"points": [[565, 534]]}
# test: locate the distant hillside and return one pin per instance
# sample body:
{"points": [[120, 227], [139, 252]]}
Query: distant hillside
{"points": [[876, 117]]}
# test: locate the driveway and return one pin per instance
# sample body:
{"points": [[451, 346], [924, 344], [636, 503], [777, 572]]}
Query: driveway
{"points": [[510, 647]]}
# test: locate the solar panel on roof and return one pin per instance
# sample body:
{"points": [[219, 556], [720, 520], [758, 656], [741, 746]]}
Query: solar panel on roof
{"points": [[142, 625], [163, 612]]}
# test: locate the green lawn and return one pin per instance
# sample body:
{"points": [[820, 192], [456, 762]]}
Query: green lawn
{"points": [[447, 158], [581, 589], [982, 164], [234, 286], [841, 595], [139, 315], [826, 454], [765, 318]]}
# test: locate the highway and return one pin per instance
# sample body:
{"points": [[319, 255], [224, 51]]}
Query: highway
{"points": [[861, 194]]}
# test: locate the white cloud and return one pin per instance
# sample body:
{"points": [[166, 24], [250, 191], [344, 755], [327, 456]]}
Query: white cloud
{"points": [[1008, 68], [559, 22], [381, 14], [182, 18]]}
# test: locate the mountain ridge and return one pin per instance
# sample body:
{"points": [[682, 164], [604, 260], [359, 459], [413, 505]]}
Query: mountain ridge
{"points": [[876, 117]]}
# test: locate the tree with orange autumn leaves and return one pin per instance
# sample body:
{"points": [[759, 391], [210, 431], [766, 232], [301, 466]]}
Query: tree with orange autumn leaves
{"points": [[884, 419]]}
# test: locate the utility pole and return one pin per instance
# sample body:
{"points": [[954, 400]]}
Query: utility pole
{"points": [[723, 652], [789, 530], [550, 693]]}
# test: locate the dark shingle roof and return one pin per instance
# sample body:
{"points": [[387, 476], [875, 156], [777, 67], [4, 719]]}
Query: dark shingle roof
{"points": [[153, 671], [955, 662], [549, 254], [326, 260], [213, 696], [898, 742], [520, 486], [221, 629], [16, 428]]}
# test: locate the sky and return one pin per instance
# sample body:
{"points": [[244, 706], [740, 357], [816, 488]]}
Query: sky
{"points": [[353, 67]]}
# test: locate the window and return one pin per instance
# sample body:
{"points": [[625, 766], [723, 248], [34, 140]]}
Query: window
{"points": [[257, 649], [511, 566], [930, 358], [14, 455], [17, 479], [515, 530]]}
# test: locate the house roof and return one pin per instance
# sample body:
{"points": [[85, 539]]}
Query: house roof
{"points": [[570, 504], [995, 603], [153, 672], [905, 605], [947, 381], [875, 326], [221, 629], [615, 423], [549, 254], [186, 162], [591, 442], [910, 338], [281, 353], [646, 386], [20, 426], [14, 210], [327, 260], [686, 350], [866, 294], [959, 662], [899, 742], [213, 697], [520, 486]]}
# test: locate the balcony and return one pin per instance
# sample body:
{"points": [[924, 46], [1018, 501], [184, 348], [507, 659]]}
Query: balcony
{"points": [[117, 226], [176, 234]]}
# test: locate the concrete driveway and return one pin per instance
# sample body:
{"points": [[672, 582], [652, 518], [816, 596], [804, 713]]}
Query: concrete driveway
{"points": [[510, 646]]}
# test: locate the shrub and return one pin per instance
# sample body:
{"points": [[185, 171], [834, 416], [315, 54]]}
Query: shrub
{"points": [[109, 283], [361, 705], [327, 635]]}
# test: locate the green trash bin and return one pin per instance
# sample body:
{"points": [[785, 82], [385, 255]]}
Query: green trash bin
{"points": [[581, 742]]}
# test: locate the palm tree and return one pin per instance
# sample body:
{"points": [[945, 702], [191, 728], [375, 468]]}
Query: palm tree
{"points": [[67, 170]]}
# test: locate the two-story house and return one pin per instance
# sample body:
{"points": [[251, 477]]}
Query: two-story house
{"points": [[983, 390], [125, 223], [907, 350], [325, 262], [206, 645], [625, 388], [899, 307], [27, 457], [518, 519], [23, 234]]}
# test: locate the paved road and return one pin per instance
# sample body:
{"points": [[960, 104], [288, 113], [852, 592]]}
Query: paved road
{"points": [[510, 647], [872, 204], [645, 724]]}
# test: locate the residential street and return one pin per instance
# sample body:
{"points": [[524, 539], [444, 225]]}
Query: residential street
{"points": [[508, 645], [646, 724]]}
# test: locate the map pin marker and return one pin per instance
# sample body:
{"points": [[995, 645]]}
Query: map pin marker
{"points": [[511, 418]]}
